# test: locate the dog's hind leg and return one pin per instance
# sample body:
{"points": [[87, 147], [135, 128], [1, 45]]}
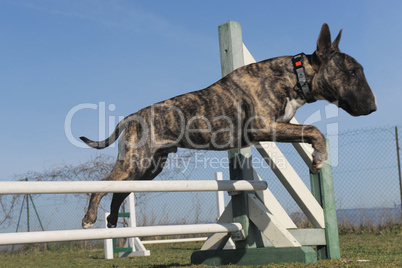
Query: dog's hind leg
{"points": [[117, 174], [92, 211], [117, 200], [152, 170]]}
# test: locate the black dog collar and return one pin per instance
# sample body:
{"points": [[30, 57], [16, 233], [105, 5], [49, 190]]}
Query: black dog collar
{"points": [[301, 77]]}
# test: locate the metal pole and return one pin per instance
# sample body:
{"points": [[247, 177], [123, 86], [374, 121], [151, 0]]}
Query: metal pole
{"points": [[36, 212], [19, 219], [399, 162], [26, 196]]}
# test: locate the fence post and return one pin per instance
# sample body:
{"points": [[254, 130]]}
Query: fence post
{"points": [[27, 199], [399, 162]]}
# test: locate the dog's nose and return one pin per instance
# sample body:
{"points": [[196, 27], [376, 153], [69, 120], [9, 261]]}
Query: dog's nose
{"points": [[372, 108], [374, 105], [366, 109]]}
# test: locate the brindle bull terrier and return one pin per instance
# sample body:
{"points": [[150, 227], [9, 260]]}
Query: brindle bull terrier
{"points": [[252, 104]]}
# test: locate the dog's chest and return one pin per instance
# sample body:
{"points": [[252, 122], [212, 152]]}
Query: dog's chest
{"points": [[290, 109]]}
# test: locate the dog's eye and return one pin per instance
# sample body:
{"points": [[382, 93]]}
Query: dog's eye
{"points": [[352, 72]]}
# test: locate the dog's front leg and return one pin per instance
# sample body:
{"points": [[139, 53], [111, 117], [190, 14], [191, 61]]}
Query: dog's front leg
{"points": [[286, 132]]}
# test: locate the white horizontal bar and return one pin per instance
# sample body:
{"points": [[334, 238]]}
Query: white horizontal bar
{"points": [[94, 234], [65, 187], [169, 241]]}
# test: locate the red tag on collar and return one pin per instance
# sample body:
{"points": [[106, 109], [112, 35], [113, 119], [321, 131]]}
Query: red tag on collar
{"points": [[298, 63]]}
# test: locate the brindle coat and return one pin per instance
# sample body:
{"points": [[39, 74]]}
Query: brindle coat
{"points": [[253, 103]]}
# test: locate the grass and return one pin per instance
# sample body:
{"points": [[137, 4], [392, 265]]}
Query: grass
{"points": [[381, 249]]}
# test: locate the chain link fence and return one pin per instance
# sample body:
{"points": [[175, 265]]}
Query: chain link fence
{"points": [[365, 174]]}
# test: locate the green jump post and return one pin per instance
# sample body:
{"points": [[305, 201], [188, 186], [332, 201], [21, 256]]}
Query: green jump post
{"points": [[322, 188], [240, 164]]}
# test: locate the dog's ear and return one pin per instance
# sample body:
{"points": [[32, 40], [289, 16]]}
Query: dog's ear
{"points": [[335, 44], [324, 41]]}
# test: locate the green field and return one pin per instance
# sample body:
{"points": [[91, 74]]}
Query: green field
{"points": [[357, 250]]}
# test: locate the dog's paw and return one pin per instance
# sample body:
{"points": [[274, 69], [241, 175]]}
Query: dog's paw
{"points": [[111, 225], [87, 225], [87, 222], [112, 221], [319, 160]]}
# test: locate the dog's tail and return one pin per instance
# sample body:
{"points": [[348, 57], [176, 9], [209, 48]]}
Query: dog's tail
{"points": [[112, 138]]}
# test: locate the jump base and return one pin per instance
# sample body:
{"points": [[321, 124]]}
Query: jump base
{"points": [[254, 256]]}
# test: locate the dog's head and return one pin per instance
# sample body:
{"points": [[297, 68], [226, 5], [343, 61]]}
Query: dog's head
{"points": [[339, 77]]}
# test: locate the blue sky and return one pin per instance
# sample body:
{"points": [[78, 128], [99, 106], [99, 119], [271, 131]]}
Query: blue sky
{"points": [[125, 55]]}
